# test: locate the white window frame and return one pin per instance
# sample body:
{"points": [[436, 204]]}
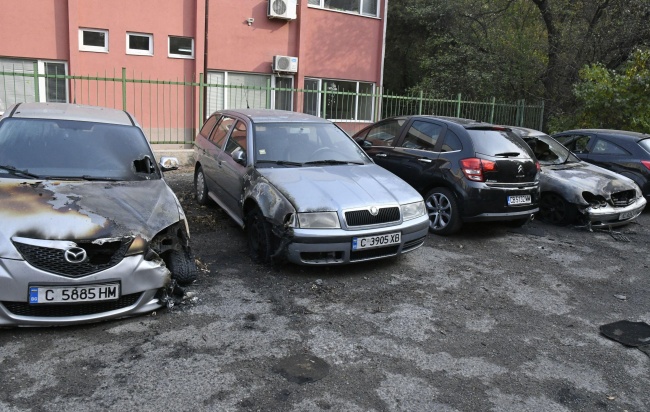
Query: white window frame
{"points": [[273, 77], [179, 56], [273, 86], [321, 5], [96, 49], [356, 99], [139, 52], [42, 88]]}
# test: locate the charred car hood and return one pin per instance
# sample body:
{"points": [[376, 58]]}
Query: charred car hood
{"points": [[65, 210], [339, 187], [579, 177]]}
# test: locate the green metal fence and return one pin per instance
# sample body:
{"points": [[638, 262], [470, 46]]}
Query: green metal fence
{"points": [[171, 111]]}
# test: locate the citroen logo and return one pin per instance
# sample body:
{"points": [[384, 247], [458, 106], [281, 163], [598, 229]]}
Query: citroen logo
{"points": [[75, 255], [520, 169], [374, 210]]}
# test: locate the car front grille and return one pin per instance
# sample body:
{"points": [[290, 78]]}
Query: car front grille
{"points": [[365, 218], [77, 309], [100, 257], [624, 198], [373, 253]]}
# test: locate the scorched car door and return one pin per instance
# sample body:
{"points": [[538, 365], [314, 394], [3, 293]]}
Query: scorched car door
{"points": [[232, 164], [214, 148]]}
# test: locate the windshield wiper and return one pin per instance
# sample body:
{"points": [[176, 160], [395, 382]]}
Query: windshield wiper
{"points": [[110, 179], [333, 162], [281, 162], [16, 172]]}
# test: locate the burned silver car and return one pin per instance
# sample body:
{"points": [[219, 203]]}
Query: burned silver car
{"points": [[89, 230], [304, 190], [577, 191]]}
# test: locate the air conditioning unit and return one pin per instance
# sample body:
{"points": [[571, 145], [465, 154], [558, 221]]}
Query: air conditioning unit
{"points": [[286, 64], [282, 9]]}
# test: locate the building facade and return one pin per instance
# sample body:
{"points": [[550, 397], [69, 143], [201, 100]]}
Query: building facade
{"points": [[323, 57]]}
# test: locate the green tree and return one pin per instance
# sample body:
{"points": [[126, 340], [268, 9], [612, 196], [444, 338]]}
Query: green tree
{"points": [[509, 49], [612, 99]]}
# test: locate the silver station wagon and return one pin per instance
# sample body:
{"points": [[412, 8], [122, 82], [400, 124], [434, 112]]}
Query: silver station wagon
{"points": [[304, 190]]}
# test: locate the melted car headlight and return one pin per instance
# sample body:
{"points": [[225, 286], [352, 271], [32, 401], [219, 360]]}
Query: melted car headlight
{"points": [[319, 220], [413, 210]]}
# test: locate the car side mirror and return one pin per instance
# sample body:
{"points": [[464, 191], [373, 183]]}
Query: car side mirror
{"points": [[240, 157], [167, 163], [366, 143]]}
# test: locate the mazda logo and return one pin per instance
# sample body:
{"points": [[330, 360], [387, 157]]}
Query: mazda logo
{"points": [[75, 255], [374, 210]]}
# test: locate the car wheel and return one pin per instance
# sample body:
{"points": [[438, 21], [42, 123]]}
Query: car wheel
{"points": [[200, 188], [555, 210], [260, 236], [182, 266], [443, 211]]}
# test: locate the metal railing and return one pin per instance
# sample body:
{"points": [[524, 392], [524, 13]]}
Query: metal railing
{"points": [[171, 112]]}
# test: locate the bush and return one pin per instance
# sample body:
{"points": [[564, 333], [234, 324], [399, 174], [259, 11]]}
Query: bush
{"points": [[609, 99]]}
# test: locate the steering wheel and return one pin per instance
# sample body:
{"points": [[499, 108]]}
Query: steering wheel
{"points": [[323, 153]]}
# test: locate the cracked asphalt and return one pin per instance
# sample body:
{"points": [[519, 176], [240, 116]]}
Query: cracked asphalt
{"points": [[491, 319]]}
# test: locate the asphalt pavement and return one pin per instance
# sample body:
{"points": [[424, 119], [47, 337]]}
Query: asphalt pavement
{"points": [[491, 319]]}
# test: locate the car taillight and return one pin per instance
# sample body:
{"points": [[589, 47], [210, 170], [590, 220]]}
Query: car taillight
{"points": [[473, 168], [646, 163], [538, 166]]}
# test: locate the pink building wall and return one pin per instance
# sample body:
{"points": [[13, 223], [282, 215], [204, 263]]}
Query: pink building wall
{"points": [[329, 45], [41, 27]]}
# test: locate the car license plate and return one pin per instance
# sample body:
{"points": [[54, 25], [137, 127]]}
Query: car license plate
{"points": [[628, 215], [519, 200], [370, 242], [72, 294]]}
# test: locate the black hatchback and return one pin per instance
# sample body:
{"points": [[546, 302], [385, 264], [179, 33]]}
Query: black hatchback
{"points": [[467, 171], [626, 153]]}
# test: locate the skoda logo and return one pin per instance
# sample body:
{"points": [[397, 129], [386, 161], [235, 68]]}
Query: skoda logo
{"points": [[374, 210], [75, 255], [520, 169]]}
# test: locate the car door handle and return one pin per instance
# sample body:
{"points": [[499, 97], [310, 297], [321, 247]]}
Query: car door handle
{"points": [[381, 155], [424, 160]]}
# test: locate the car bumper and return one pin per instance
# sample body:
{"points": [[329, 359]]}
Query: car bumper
{"points": [[139, 280], [610, 216], [334, 246], [482, 202]]}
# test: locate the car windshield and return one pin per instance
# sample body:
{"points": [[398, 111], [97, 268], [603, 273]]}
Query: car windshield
{"points": [[66, 149], [300, 144], [549, 151]]}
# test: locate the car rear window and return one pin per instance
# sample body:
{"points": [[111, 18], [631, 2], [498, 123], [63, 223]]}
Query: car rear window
{"points": [[494, 142], [645, 144]]}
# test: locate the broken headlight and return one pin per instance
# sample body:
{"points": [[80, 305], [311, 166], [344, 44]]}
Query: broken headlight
{"points": [[594, 201], [319, 220]]}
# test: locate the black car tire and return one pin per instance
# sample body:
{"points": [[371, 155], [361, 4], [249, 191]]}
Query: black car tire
{"points": [[443, 211], [555, 210], [182, 266], [200, 188], [259, 236]]}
